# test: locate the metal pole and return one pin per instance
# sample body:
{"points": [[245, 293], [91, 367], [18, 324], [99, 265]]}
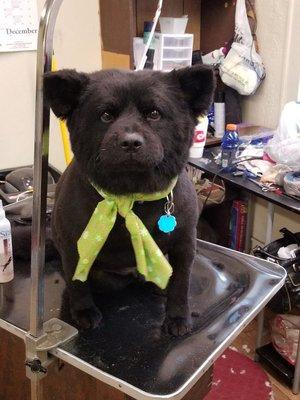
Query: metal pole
{"points": [[1, 299], [270, 220], [296, 381], [260, 332], [41, 150], [268, 238], [36, 389]]}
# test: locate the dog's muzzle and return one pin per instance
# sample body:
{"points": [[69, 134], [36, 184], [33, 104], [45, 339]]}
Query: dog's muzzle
{"points": [[131, 142]]}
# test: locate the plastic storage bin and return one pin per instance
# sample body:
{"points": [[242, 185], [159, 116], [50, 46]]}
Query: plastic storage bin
{"points": [[173, 51], [184, 53], [173, 25], [168, 65], [185, 40]]}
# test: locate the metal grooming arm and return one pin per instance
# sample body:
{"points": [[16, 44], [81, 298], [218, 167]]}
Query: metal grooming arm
{"points": [[41, 152], [42, 336]]}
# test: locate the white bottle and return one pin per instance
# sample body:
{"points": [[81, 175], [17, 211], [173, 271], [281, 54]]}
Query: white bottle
{"points": [[6, 256], [196, 151], [219, 111]]}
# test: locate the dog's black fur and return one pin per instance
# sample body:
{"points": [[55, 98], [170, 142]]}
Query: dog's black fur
{"points": [[130, 132]]}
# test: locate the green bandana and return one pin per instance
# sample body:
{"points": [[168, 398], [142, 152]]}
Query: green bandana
{"points": [[151, 262]]}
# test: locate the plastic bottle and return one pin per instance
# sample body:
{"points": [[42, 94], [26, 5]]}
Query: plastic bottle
{"points": [[147, 29], [219, 112], [6, 256], [211, 116], [196, 151], [230, 143]]}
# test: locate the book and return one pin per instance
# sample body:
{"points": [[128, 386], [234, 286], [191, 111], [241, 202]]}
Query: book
{"points": [[238, 225]]}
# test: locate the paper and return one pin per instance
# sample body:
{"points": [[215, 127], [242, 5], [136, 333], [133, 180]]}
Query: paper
{"points": [[18, 25]]}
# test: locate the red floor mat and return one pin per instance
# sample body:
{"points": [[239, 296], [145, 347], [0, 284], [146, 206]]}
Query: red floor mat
{"points": [[236, 377]]}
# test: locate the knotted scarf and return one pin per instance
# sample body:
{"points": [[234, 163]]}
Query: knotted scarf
{"points": [[150, 260]]}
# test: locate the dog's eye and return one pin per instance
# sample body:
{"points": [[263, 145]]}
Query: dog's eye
{"points": [[153, 115], [106, 117]]}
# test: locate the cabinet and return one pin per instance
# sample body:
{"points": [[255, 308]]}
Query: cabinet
{"points": [[121, 20], [210, 21]]}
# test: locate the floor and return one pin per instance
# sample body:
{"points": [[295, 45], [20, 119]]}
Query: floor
{"points": [[245, 343]]}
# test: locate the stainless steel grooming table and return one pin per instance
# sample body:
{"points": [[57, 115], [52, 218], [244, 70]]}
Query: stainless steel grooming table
{"points": [[128, 352]]}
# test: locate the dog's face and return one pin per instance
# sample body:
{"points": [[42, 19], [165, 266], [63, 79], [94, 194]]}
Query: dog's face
{"points": [[130, 131]]}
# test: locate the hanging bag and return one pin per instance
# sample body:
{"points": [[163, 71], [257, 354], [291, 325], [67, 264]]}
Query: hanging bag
{"points": [[242, 69]]}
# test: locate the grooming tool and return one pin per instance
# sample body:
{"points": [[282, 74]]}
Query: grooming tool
{"points": [[241, 171], [264, 186], [238, 173]]}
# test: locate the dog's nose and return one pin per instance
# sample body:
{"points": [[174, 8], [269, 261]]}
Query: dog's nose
{"points": [[131, 142]]}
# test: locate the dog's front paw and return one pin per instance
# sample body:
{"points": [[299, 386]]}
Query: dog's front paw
{"points": [[177, 326], [87, 318]]}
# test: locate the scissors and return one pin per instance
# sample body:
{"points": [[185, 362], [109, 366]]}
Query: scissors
{"points": [[265, 187]]}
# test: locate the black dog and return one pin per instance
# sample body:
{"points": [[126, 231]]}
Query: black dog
{"points": [[130, 132]]}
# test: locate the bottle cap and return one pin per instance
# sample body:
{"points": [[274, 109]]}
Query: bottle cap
{"points": [[231, 127], [148, 26], [219, 97]]}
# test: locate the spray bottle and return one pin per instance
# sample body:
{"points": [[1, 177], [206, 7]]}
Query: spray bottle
{"points": [[6, 256], [219, 111]]}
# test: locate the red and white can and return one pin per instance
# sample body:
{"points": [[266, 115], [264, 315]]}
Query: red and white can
{"points": [[196, 151]]}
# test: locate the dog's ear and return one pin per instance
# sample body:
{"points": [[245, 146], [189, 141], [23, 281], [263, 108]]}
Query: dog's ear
{"points": [[62, 90], [198, 85]]}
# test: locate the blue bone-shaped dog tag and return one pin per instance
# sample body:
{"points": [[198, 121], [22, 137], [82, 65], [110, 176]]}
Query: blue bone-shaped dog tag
{"points": [[167, 223]]}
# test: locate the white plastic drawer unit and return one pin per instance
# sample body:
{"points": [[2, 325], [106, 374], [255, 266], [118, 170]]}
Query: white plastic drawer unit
{"points": [[169, 65], [181, 53], [173, 51], [173, 40]]}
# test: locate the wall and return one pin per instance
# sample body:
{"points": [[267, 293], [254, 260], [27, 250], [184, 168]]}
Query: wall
{"points": [[264, 107], [278, 37], [291, 83], [279, 42], [77, 45]]}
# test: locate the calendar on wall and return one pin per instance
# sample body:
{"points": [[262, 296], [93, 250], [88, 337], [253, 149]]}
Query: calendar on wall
{"points": [[18, 25]]}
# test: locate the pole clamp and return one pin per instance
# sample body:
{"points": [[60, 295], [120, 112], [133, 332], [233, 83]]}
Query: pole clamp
{"points": [[55, 333]]}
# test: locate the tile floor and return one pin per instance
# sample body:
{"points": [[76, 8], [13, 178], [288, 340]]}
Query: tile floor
{"points": [[245, 343]]}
